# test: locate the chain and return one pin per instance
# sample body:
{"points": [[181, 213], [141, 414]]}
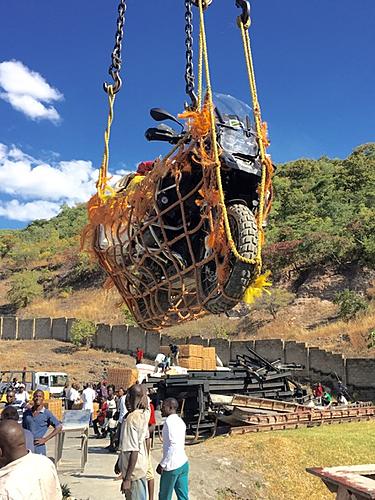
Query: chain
{"points": [[115, 67], [189, 71]]}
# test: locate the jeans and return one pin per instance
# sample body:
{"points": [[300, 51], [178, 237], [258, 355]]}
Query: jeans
{"points": [[138, 490], [177, 480]]}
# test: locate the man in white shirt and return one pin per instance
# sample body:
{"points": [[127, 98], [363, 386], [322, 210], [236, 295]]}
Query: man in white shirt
{"points": [[24, 474], [174, 466], [22, 395], [74, 396], [88, 397]]}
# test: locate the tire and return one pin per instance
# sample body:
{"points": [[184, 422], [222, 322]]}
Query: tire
{"points": [[245, 235]]}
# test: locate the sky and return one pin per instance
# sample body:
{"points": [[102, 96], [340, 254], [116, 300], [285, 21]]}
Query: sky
{"points": [[314, 64]]}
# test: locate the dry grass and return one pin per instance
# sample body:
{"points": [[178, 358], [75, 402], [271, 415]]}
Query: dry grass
{"points": [[281, 457], [100, 306], [51, 355], [357, 330]]}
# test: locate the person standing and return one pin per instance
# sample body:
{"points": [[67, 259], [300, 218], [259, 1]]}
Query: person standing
{"points": [[22, 395], [132, 462], [139, 356], [37, 420], [174, 466], [74, 396], [122, 411], [175, 351], [111, 422], [88, 398], [24, 474], [100, 419], [10, 413], [18, 405]]}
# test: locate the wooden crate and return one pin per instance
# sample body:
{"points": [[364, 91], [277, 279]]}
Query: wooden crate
{"points": [[122, 377], [209, 353], [191, 363], [56, 407], [96, 410], [189, 350], [208, 364], [164, 349]]}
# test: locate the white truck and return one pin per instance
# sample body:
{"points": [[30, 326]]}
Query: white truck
{"points": [[52, 382]]}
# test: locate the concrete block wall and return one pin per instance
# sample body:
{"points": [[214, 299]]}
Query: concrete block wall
{"points": [[25, 329], [357, 373], [297, 352], [9, 328], [360, 372], [59, 329], [43, 328], [238, 347], [271, 349], [103, 337], [222, 347], [120, 338], [137, 338]]}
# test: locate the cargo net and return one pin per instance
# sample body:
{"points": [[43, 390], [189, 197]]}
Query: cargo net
{"points": [[158, 236]]}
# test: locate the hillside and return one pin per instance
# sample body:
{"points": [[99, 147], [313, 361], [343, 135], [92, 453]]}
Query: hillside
{"points": [[320, 242]]}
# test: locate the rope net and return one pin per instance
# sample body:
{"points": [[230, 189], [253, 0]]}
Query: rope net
{"points": [[160, 235]]}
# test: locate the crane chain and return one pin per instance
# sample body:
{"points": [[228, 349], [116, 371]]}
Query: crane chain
{"points": [[189, 70], [115, 66]]}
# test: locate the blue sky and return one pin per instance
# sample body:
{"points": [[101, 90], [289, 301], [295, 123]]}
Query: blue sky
{"points": [[314, 68]]}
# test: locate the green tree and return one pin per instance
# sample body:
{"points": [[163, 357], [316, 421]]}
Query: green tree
{"points": [[350, 304], [24, 287], [82, 332]]}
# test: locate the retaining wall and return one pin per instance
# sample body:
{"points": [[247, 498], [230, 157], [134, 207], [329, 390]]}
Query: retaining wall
{"points": [[318, 364]]}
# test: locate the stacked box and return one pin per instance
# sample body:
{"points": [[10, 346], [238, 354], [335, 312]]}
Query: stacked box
{"points": [[56, 407], [188, 350], [209, 353], [122, 377], [209, 364], [191, 363]]}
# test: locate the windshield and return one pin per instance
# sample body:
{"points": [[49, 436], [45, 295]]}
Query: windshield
{"points": [[230, 106], [58, 380]]}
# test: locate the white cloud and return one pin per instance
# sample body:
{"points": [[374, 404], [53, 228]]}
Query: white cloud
{"points": [[32, 210], [27, 91], [43, 187]]}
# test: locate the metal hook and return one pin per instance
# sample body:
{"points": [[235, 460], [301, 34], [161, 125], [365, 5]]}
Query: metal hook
{"points": [[117, 82], [205, 3], [245, 16]]}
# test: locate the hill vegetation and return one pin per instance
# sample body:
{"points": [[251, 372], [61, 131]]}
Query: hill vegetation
{"points": [[321, 228]]}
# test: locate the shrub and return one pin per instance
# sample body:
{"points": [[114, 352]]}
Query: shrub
{"points": [[371, 340], [274, 301], [82, 333], [350, 304], [128, 317], [24, 288]]}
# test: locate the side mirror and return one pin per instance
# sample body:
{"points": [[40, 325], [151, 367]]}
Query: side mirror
{"points": [[161, 133], [159, 115]]}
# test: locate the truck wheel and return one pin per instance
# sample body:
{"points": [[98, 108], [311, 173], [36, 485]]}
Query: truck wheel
{"points": [[245, 235]]}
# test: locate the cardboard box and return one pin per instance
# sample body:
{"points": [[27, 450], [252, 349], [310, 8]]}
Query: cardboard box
{"points": [[209, 353], [188, 350], [191, 363], [122, 377], [208, 364]]}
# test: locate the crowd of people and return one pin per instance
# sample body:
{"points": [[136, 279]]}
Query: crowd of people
{"points": [[126, 418]]}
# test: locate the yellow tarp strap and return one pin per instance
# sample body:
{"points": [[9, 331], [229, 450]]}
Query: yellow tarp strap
{"points": [[103, 188], [261, 283]]}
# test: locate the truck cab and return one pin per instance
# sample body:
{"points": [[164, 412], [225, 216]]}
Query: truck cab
{"points": [[53, 382]]}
